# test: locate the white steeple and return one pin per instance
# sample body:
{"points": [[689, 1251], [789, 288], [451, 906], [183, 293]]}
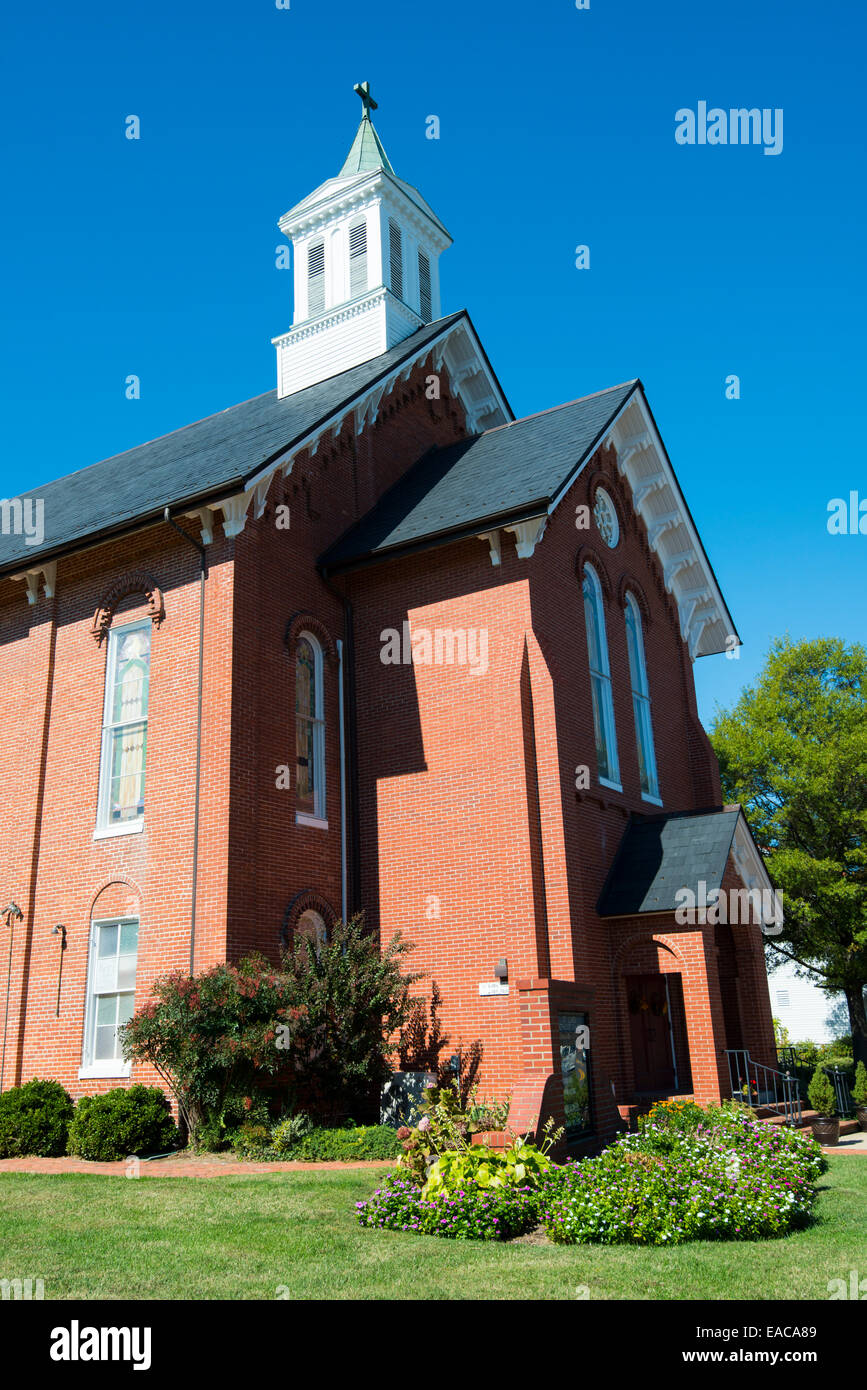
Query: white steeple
{"points": [[366, 249]]}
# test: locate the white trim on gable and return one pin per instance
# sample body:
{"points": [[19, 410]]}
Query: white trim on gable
{"points": [[457, 347]]}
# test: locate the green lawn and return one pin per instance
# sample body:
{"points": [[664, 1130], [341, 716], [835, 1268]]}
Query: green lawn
{"points": [[241, 1238]]}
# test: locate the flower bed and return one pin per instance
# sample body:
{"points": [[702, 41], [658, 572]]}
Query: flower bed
{"points": [[727, 1177], [689, 1174]]}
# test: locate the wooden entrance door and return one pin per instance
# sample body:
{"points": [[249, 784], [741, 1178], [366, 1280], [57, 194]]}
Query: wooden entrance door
{"points": [[650, 1027]]}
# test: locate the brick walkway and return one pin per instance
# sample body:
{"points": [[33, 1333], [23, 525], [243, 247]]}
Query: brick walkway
{"points": [[215, 1166]]}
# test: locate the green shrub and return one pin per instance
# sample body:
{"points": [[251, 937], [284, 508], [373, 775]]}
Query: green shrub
{"points": [[859, 1090], [343, 1145], [288, 1132], [820, 1094], [252, 1141], [35, 1119], [124, 1121]]}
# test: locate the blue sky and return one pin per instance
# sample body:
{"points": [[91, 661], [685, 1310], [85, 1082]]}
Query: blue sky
{"points": [[156, 257]]}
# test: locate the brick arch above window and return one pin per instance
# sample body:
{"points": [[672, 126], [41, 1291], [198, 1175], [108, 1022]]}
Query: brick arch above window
{"points": [[305, 622], [306, 901], [589, 555], [130, 584], [629, 585], [116, 897]]}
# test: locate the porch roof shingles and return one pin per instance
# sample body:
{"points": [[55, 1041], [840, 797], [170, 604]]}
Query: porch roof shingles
{"points": [[659, 855]]}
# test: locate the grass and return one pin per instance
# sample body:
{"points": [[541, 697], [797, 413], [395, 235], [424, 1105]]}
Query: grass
{"points": [[244, 1237]]}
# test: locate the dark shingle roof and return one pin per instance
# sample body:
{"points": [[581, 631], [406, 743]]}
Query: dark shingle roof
{"points": [[660, 854], [215, 455], [508, 473]]}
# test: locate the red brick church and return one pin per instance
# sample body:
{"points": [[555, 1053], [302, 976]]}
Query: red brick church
{"points": [[368, 642]]}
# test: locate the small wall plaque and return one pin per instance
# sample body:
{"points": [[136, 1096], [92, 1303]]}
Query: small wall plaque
{"points": [[487, 987]]}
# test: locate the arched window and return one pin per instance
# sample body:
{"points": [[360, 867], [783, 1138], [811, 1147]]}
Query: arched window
{"points": [[600, 681], [641, 700], [124, 730], [309, 730], [311, 928]]}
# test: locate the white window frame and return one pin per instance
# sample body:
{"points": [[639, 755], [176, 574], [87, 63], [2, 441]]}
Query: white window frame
{"points": [[641, 699], [116, 1067], [600, 683], [318, 816], [104, 827]]}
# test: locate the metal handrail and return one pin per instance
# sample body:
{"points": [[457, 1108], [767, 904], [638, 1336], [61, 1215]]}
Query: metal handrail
{"points": [[763, 1087], [841, 1090]]}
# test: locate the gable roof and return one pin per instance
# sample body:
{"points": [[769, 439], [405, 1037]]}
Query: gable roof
{"points": [[214, 456], [659, 855], [507, 473]]}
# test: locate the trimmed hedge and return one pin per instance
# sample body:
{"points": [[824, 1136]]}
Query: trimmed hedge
{"points": [[333, 1145], [124, 1121], [35, 1119]]}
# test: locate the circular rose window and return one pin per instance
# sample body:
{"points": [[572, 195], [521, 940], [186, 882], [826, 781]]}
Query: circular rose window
{"points": [[606, 518]]}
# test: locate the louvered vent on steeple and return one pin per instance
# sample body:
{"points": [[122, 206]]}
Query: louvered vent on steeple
{"points": [[357, 259], [395, 248], [424, 295], [316, 279]]}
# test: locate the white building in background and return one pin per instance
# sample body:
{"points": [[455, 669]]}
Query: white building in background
{"points": [[809, 1013]]}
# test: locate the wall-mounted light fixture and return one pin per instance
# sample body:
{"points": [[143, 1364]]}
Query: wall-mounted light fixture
{"points": [[12, 914], [60, 931], [501, 969]]}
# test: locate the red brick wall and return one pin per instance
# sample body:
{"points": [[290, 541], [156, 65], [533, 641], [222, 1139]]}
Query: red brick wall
{"points": [[474, 840]]}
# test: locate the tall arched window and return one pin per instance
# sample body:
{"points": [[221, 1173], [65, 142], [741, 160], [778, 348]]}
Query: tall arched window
{"points": [[600, 681], [641, 701], [309, 730]]}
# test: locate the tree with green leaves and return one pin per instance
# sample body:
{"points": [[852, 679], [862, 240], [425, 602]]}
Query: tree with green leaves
{"points": [[793, 752], [348, 1000]]}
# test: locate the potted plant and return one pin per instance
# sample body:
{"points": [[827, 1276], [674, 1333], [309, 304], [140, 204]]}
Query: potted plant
{"points": [[859, 1094], [820, 1093]]}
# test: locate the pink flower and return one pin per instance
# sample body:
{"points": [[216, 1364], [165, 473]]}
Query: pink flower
{"points": [[424, 1123]]}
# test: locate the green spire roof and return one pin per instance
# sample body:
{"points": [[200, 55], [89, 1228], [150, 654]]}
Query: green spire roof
{"points": [[367, 152]]}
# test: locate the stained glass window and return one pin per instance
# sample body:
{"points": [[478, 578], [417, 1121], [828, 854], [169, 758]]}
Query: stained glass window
{"points": [[309, 729], [604, 732], [124, 735], [640, 700]]}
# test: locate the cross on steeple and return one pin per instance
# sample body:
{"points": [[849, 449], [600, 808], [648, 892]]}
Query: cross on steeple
{"points": [[363, 90]]}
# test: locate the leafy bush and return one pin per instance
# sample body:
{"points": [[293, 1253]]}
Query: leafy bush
{"points": [[252, 1141], [470, 1213], [286, 1135], [523, 1165], [124, 1121], [732, 1177], [35, 1119], [344, 1145], [211, 1037], [821, 1094], [859, 1090]]}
